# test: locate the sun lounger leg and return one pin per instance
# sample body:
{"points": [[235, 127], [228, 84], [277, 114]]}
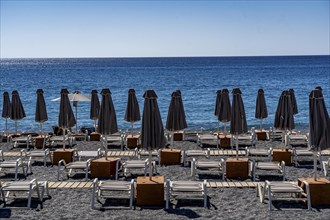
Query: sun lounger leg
{"points": [[167, 193], [95, 182]]}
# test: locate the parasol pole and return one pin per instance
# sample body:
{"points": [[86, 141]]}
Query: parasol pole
{"points": [[7, 129], [76, 105], [260, 124], [15, 126], [150, 164], [236, 145], [132, 128], [63, 130], [224, 127], [106, 147], [41, 129], [315, 165]]}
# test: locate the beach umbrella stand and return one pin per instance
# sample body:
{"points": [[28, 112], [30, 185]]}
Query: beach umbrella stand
{"points": [[152, 133], [319, 125]]}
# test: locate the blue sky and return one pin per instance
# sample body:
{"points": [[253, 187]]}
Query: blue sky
{"points": [[163, 28]]}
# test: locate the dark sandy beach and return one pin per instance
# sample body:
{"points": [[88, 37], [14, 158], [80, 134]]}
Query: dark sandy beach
{"points": [[224, 203]]}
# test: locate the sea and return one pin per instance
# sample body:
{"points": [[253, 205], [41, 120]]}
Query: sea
{"points": [[198, 78]]}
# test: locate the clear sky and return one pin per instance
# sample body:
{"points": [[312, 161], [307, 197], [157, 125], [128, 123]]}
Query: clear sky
{"points": [[163, 28]]}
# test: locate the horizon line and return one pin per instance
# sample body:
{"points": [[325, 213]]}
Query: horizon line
{"points": [[199, 56]]}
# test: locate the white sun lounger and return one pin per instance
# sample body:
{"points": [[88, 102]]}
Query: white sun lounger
{"points": [[25, 188], [38, 154], [143, 154], [112, 189], [295, 139], [283, 191], [206, 138], [113, 138], [269, 166], [259, 152], [82, 166], [186, 190], [22, 162], [188, 155], [22, 140], [58, 140], [138, 165], [207, 167]]}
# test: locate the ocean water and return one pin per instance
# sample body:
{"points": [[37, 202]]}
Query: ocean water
{"points": [[198, 78]]}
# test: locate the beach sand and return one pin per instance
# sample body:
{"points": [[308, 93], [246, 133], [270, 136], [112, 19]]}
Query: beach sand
{"points": [[224, 203]]}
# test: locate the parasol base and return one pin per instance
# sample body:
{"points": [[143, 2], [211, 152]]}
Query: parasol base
{"points": [[225, 141], [103, 167], [132, 141], [62, 154], [170, 157], [319, 190], [262, 135], [285, 155], [150, 192], [237, 168]]}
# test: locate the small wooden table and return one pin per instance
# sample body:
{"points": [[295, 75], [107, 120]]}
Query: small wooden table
{"points": [[150, 192], [319, 190], [132, 141], [283, 155], [62, 154], [261, 135], [170, 156], [225, 140], [103, 168], [237, 168]]}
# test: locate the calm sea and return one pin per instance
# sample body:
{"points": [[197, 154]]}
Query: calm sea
{"points": [[198, 78]]}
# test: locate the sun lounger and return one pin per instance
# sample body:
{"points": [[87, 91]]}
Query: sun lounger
{"points": [[296, 139], [58, 140], [302, 153], [283, 191], [112, 189], [177, 190], [326, 167], [207, 138], [143, 154], [138, 165], [88, 154], [38, 154], [246, 139], [113, 138], [22, 162], [269, 166], [275, 134], [188, 155], [22, 140], [259, 152], [82, 166], [27, 188], [212, 167]]}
